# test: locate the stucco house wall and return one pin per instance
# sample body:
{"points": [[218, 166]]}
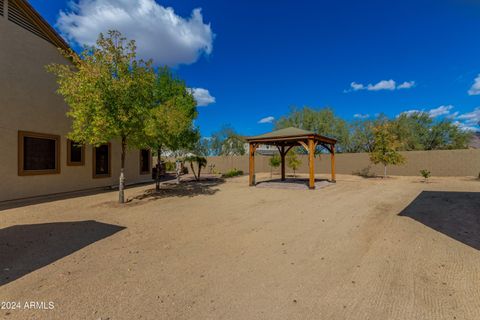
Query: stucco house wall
{"points": [[28, 102]]}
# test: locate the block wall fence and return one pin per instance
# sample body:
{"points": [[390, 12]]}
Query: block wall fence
{"points": [[439, 162]]}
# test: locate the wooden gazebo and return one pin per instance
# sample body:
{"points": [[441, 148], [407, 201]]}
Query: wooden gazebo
{"points": [[284, 140]]}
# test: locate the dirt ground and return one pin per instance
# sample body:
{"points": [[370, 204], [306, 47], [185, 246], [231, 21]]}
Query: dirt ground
{"points": [[359, 249]]}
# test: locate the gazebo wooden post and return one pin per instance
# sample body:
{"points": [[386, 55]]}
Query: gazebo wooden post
{"points": [[287, 138], [251, 166], [332, 161], [311, 163]]}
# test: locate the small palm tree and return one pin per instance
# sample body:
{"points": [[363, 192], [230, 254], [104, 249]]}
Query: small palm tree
{"points": [[201, 163]]}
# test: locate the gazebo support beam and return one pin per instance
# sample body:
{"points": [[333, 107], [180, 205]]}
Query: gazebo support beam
{"points": [[284, 140], [251, 165], [332, 161], [311, 163]]}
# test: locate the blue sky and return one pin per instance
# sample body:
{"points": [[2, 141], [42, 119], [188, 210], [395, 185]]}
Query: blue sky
{"points": [[258, 58]]}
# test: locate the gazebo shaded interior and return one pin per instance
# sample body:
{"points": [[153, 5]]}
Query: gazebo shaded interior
{"points": [[286, 139]]}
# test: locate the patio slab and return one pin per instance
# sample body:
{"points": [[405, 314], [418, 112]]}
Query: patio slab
{"points": [[294, 183]]}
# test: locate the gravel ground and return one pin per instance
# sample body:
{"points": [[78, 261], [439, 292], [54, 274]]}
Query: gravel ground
{"points": [[381, 249]]}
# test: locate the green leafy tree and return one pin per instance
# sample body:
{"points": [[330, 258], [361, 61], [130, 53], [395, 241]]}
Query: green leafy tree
{"points": [[322, 121], [170, 123], [202, 147], [415, 131], [227, 142], [419, 131], [274, 162], [201, 163], [293, 162], [108, 91], [385, 148], [362, 134]]}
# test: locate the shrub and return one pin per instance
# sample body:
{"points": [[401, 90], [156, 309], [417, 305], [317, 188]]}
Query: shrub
{"points": [[293, 162], [232, 173], [274, 162], [425, 174], [365, 172], [201, 163], [169, 166]]}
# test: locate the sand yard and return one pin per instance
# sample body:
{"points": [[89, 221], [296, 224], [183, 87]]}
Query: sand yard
{"points": [[359, 249]]}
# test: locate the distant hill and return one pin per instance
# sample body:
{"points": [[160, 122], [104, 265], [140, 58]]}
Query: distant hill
{"points": [[475, 141]]}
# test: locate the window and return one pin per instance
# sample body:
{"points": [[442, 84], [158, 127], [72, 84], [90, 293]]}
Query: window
{"points": [[38, 153], [102, 161], [145, 161], [75, 154]]}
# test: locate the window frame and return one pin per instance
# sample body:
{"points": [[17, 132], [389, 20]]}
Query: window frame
{"points": [[21, 153], [69, 154], [149, 162], [94, 162]]}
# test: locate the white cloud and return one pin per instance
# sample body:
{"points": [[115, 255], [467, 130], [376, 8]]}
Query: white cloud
{"points": [[357, 86], [453, 115], [361, 116], [269, 119], [475, 89], [464, 126], [443, 110], [410, 112], [202, 96], [160, 33], [471, 118], [467, 121], [406, 85], [381, 85], [440, 111]]}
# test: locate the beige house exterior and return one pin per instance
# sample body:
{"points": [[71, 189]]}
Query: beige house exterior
{"points": [[36, 158]]}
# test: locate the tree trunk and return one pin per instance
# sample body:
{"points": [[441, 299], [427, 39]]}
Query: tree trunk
{"points": [[121, 185], [178, 168], [384, 171], [159, 163], [199, 169], [193, 171]]}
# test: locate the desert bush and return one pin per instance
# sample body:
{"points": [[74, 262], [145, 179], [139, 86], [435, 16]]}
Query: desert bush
{"points": [[365, 172], [425, 174], [274, 162], [169, 166], [232, 173], [293, 162]]}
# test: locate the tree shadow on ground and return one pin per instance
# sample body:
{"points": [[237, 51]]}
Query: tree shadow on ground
{"points": [[11, 204], [26, 248], [189, 188], [455, 214]]}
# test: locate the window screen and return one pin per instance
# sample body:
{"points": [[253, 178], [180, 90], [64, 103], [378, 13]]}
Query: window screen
{"points": [[102, 160], [75, 153], [39, 153], [144, 161]]}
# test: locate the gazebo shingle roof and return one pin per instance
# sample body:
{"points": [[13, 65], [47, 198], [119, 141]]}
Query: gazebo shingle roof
{"points": [[289, 132]]}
